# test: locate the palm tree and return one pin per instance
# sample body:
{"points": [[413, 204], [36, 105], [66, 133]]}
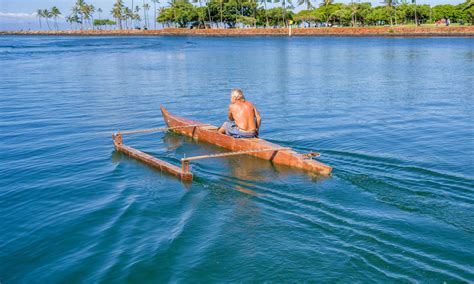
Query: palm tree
{"points": [[136, 17], [221, 2], [131, 16], [265, 9], [99, 11], [70, 20], [469, 5], [73, 19], [308, 3], [91, 11], [87, 11], [117, 12], [154, 9], [47, 15], [209, 14], [126, 15], [75, 13], [50, 16], [55, 13], [207, 7], [137, 20], [389, 4], [39, 13], [354, 9], [255, 13], [416, 17], [78, 9], [146, 7], [81, 5], [326, 3], [283, 5], [132, 5]]}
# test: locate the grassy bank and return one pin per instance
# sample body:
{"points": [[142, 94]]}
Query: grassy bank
{"points": [[334, 31]]}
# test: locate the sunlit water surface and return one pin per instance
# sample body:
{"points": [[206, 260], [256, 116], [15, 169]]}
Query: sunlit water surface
{"points": [[393, 116]]}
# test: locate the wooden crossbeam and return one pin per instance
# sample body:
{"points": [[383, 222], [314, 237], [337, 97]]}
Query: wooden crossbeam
{"points": [[235, 153], [185, 161]]}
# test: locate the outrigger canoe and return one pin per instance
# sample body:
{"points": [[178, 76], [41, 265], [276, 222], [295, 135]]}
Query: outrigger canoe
{"points": [[208, 133]]}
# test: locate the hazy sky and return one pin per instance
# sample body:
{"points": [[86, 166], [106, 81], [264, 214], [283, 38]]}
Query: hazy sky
{"points": [[19, 14]]}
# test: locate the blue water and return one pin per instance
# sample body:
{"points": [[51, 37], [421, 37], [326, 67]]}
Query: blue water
{"points": [[393, 116]]}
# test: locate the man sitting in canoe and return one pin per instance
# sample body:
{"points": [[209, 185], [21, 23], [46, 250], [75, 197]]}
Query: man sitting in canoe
{"points": [[244, 119]]}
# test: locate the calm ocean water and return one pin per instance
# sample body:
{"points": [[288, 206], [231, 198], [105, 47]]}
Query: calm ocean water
{"points": [[393, 116]]}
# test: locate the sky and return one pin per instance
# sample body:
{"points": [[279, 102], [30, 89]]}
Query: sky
{"points": [[20, 14]]}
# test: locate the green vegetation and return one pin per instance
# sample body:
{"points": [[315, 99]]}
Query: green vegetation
{"points": [[253, 13], [103, 23]]}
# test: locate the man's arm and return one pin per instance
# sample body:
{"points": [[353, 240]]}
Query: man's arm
{"points": [[258, 117], [229, 114]]}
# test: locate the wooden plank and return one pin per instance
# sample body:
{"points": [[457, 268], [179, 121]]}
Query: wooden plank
{"points": [[235, 153], [151, 161]]}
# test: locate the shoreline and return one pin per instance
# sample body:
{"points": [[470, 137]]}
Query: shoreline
{"points": [[465, 31]]}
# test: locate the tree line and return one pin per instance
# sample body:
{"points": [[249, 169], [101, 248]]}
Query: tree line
{"points": [[82, 15], [231, 13], [393, 13]]}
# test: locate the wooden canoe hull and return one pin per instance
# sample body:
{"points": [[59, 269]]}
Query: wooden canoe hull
{"points": [[209, 134]]}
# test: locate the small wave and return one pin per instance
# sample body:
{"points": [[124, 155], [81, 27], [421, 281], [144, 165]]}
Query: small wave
{"points": [[410, 187]]}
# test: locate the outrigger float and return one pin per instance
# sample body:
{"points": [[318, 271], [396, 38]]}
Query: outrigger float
{"points": [[208, 133]]}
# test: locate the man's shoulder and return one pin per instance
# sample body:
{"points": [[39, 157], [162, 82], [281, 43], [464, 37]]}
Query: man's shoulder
{"points": [[242, 106], [249, 104]]}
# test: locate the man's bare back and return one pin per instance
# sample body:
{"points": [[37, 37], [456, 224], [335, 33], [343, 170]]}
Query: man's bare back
{"points": [[244, 119], [244, 115]]}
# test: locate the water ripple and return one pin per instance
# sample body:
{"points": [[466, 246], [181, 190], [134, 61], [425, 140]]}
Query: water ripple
{"points": [[388, 114]]}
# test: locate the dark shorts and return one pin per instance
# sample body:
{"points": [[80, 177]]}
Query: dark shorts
{"points": [[233, 130]]}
